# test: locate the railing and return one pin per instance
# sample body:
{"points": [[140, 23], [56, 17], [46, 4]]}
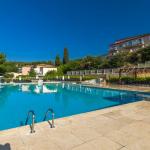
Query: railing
{"points": [[114, 71], [31, 112], [46, 115], [93, 72]]}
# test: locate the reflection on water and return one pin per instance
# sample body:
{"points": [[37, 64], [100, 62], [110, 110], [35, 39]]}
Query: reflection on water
{"points": [[24, 88], [62, 88], [37, 89]]}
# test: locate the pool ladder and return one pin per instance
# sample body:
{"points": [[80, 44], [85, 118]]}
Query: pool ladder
{"points": [[31, 112], [46, 115]]}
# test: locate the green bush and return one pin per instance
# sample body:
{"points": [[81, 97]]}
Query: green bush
{"points": [[72, 78], [8, 75], [130, 80], [113, 80], [32, 73], [7, 80]]}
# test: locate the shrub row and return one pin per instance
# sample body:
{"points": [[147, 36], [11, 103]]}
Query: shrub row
{"points": [[49, 78], [130, 80], [71, 78]]}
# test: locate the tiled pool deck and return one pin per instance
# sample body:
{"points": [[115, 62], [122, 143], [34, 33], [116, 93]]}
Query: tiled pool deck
{"points": [[125, 127]]}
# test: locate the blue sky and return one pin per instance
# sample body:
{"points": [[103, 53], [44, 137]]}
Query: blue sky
{"points": [[33, 30]]}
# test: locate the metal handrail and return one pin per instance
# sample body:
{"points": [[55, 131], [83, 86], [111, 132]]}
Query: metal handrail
{"points": [[33, 120], [50, 110]]}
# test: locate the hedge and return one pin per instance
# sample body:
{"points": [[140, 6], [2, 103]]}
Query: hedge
{"points": [[72, 78], [130, 80]]}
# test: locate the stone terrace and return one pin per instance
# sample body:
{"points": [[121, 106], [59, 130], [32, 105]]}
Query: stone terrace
{"points": [[125, 127]]}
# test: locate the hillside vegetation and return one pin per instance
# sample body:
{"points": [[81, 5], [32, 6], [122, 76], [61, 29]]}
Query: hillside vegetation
{"points": [[100, 62], [88, 62]]}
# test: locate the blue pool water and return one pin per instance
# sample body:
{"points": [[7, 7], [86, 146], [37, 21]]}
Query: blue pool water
{"points": [[64, 99]]}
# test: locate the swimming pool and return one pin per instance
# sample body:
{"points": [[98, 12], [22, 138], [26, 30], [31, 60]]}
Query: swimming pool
{"points": [[64, 99]]}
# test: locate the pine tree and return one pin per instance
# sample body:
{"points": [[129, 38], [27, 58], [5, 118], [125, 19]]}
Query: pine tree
{"points": [[57, 61], [66, 56]]}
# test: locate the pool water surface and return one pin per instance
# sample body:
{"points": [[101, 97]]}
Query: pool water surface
{"points": [[64, 99]]}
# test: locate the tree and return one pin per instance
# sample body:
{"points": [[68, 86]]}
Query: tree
{"points": [[10, 67], [145, 54], [57, 61], [66, 56], [2, 58], [117, 61], [32, 73], [90, 62], [53, 74], [2, 70], [9, 75]]}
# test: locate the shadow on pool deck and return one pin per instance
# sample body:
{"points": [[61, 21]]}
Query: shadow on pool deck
{"points": [[5, 147]]}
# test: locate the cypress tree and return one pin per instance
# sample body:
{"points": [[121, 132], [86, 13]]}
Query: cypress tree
{"points": [[66, 56], [57, 61]]}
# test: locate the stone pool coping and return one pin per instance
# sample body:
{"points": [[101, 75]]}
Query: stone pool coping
{"points": [[124, 127]]}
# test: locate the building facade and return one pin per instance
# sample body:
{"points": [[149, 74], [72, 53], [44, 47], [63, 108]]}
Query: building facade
{"points": [[42, 69], [130, 44], [25, 70]]}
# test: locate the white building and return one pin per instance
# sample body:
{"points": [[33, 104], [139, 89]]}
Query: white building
{"points": [[42, 69], [129, 44]]}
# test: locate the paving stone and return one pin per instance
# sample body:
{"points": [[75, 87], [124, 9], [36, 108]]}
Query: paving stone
{"points": [[64, 139], [122, 138], [138, 129], [142, 144], [85, 134], [100, 143]]}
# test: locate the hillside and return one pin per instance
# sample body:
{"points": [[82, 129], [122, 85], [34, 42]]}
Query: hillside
{"points": [[100, 62]]}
